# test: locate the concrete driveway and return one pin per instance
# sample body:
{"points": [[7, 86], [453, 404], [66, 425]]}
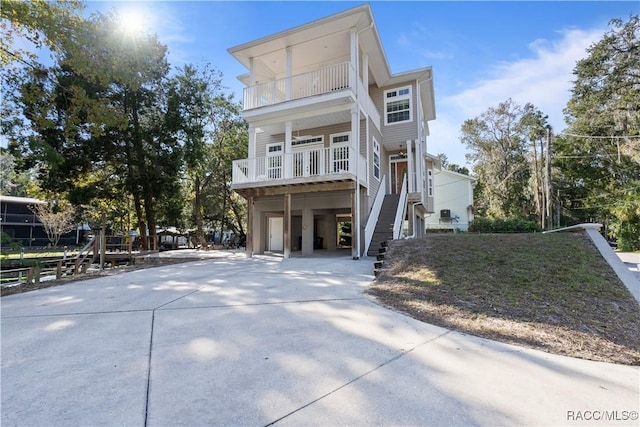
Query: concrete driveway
{"points": [[261, 341]]}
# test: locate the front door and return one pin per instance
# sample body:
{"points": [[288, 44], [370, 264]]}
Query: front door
{"points": [[276, 231], [398, 175]]}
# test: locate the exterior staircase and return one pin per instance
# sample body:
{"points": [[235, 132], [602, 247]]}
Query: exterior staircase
{"points": [[384, 227]]}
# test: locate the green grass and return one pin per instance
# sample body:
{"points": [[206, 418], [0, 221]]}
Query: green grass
{"points": [[15, 255], [547, 291]]}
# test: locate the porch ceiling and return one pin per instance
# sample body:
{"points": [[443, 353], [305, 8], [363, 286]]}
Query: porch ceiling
{"points": [[310, 122]]}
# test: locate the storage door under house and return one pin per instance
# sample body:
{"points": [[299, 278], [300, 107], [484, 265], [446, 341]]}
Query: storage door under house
{"points": [[276, 234]]}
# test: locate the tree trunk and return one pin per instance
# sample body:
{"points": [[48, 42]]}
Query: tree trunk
{"points": [[197, 209], [142, 227]]}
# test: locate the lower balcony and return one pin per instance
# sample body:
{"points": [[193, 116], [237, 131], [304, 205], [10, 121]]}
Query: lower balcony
{"points": [[299, 167]]}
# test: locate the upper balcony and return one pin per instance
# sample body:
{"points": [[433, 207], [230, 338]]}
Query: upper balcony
{"points": [[317, 82], [324, 87]]}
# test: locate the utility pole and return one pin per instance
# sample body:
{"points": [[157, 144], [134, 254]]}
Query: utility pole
{"points": [[547, 176]]}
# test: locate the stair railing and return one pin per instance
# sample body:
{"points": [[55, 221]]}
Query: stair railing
{"points": [[374, 214], [82, 257], [401, 211]]}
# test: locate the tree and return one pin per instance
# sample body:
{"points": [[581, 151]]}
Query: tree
{"points": [[56, 218], [498, 140], [101, 112], [43, 23], [13, 182], [444, 161], [598, 158], [192, 98]]}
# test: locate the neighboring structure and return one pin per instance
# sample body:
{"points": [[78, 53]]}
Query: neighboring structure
{"points": [[22, 225], [20, 222], [453, 201], [331, 132]]}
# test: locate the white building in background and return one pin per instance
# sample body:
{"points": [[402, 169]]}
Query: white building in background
{"points": [[453, 201]]}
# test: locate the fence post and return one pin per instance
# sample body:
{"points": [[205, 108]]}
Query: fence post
{"points": [[58, 270], [76, 270], [29, 275]]}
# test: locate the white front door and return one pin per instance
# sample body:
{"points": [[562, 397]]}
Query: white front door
{"points": [[276, 230]]}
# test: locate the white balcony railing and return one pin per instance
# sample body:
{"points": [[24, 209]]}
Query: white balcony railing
{"points": [[316, 82], [299, 164]]}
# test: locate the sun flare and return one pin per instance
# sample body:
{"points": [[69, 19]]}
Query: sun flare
{"points": [[133, 22]]}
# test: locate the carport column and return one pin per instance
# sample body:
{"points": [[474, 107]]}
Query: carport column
{"points": [[250, 207], [287, 225], [307, 229], [355, 222]]}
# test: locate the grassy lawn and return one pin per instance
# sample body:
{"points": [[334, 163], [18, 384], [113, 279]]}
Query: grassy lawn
{"points": [[51, 253], [553, 292]]}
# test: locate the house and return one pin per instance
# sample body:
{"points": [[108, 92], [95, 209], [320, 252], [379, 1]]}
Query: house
{"points": [[453, 201], [19, 221], [336, 140]]}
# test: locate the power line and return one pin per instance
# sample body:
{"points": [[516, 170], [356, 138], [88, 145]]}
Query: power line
{"points": [[600, 136]]}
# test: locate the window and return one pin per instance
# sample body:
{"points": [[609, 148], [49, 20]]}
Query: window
{"points": [[397, 105], [376, 159], [430, 182], [307, 140], [338, 138]]}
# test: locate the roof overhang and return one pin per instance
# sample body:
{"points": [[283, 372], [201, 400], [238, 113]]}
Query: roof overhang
{"points": [[334, 28]]}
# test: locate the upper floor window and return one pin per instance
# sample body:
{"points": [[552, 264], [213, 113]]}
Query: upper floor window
{"points": [[430, 182], [376, 159], [397, 105]]}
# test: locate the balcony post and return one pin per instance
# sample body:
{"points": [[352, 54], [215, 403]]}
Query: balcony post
{"points": [[353, 70], [410, 167], [252, 153], [287, 161], [355, 139], [289, 67]]}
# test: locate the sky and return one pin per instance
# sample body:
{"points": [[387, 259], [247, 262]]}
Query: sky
{"points": [[482, 53]]}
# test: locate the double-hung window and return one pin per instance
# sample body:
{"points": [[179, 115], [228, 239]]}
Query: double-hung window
{"points": [[376, 159], [397, 105]]}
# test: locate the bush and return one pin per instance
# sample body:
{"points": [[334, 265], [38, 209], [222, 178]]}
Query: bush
{"points": [[500, 225]]}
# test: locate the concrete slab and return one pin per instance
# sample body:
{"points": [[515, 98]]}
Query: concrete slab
{"points": [[75, 370], [251, 365], [454, 380], [238, 341]]}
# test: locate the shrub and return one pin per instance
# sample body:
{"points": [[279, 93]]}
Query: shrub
{"points": [[502, 225]]}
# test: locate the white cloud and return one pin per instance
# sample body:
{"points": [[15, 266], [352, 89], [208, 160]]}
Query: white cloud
{"points": [[543, 79]]}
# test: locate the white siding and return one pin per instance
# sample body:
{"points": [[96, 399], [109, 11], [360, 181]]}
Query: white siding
{"points": [[454, 192]]}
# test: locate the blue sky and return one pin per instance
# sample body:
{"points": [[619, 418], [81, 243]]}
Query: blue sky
{"points": [[481, 52]]}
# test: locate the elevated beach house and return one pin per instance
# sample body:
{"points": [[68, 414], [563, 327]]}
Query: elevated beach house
{"points": [[337, 154]]}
